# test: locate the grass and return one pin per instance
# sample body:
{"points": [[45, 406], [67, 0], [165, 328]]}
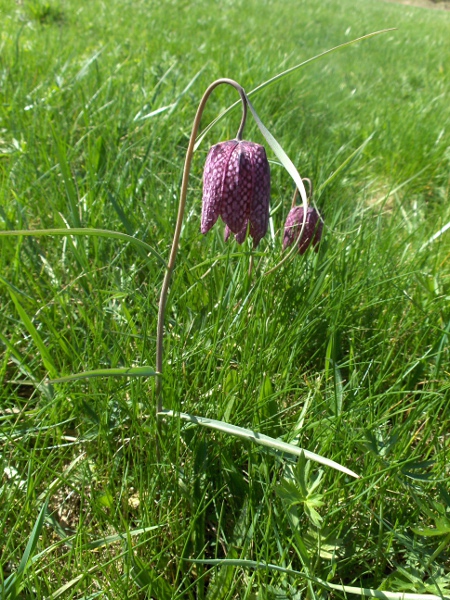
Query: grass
{"points": [[343, 352]]}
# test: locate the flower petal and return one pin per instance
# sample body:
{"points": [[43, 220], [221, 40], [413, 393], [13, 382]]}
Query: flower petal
{"points": [[213, 181], [311, 233], [239, 237], [259, 213], [291, 227], [237, 188]]}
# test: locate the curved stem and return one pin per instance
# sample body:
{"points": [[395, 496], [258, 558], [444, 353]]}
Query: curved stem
{"points": [[244, 110], [177, 233], [310, 185]]}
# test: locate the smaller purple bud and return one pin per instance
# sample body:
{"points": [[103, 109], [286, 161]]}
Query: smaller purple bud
{"points": [[311, 233]]}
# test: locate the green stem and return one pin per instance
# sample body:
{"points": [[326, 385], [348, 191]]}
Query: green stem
{"points": [[294, 197], [176, 236]]}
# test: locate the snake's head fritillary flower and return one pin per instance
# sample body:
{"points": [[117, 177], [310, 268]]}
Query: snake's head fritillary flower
{"points": [[236, 187], [311, 233]]}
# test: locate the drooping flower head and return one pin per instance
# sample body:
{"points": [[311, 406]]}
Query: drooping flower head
{"points": [[311, 233], [236, 187]]}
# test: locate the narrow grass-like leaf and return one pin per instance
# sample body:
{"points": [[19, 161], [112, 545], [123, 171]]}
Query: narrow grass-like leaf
{"points": [[186, 89], [69, 584], [86, 231], [442, 528], [284, 74], [290, 168], [56, 483], [45, 354], [34, 538], [118, 537], [259, 438], [282, 156], [118, 372], [69, 184], [349, 589], [11, 586], [435, 236], [153, 113], [346, 162], [98, 543]]}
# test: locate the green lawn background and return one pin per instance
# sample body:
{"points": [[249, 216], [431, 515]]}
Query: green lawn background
{"points": [[344, 353]]}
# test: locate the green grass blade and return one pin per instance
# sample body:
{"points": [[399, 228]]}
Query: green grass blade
{"points": [[69, 584], [349, 589], [434, 237], [119, 537], [346, 163], [12, 584], [69, 183], [34, 538], [281, 155], [259, 438], [45, 354], [118, 372]]}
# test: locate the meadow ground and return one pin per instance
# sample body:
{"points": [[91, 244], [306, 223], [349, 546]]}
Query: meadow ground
{"points": [[343, 352]]}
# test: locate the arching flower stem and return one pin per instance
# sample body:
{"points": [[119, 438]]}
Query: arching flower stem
{"points": [[309, 195], [179, 222]]}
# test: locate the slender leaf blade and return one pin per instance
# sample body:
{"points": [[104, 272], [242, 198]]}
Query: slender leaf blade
{"points": [[117, 372], [29, 325], [279, 76], [258, 438], [86, 231], [349, 589], [11, 586]]}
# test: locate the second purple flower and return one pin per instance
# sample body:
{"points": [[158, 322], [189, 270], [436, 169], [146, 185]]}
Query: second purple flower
{"points": [[311, 233], [236, 187]]}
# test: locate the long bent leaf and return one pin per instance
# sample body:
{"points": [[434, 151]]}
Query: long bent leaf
{"points": [[86, 231], [283, 74], [258, 438], [349, 589], [119, 372]]}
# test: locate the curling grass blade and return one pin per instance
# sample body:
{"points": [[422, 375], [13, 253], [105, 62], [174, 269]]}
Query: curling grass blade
{"points": [[259, 438]]}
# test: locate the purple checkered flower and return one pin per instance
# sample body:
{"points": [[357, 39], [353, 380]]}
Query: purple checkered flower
{"points": [[236, 187], [311, 233]]}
